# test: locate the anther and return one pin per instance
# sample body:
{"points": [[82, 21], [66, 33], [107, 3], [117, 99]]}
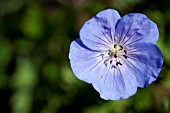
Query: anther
{"points": [[110, 53], [115, 46], [125, 51], [110, 61], [106, 62], [121, 47], [118, 63], [113, 66], [115, 56], [125, 56], [102, 56]]}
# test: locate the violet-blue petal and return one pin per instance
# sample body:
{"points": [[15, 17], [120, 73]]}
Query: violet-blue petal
{"points": [[136, 27], [119, 83], [145, 62], [87, 64], [99, 31]]}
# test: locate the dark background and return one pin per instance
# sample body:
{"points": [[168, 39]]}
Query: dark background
{"points": [[35, 74]]}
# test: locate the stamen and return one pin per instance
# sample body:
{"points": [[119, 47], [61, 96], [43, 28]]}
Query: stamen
{"points": [[125, 51], [102, 56], [115, 53], [121, 47], [115, 56], [110, 61], [106, 62], [113, 66], [110, 53], [118, 63], [125, 56]]}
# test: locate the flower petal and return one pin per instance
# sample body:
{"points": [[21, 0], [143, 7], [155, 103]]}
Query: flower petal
{"points": [[136, 27], [142, 67], [87, 65], [145, 62], [117, 84], [99, 30]]}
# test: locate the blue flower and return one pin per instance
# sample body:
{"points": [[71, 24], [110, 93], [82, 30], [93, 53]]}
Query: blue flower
{"points": [[116, 55]]}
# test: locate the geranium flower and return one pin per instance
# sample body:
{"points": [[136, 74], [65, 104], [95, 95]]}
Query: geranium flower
{"points": [[116, 55]]}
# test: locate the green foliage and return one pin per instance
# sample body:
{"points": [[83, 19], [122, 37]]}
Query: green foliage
{"points": [[35, 74], [32, 22]]}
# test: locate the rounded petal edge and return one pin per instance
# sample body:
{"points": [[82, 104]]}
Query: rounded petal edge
{"points": [[146, 62], [99, 30], [136, 27], [86, 64]]}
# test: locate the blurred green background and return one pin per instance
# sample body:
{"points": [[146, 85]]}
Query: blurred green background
{"points": [[35, 74]]}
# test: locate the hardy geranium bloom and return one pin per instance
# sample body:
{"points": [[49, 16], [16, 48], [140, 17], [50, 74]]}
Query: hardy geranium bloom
{"points": [[116, 55]]}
